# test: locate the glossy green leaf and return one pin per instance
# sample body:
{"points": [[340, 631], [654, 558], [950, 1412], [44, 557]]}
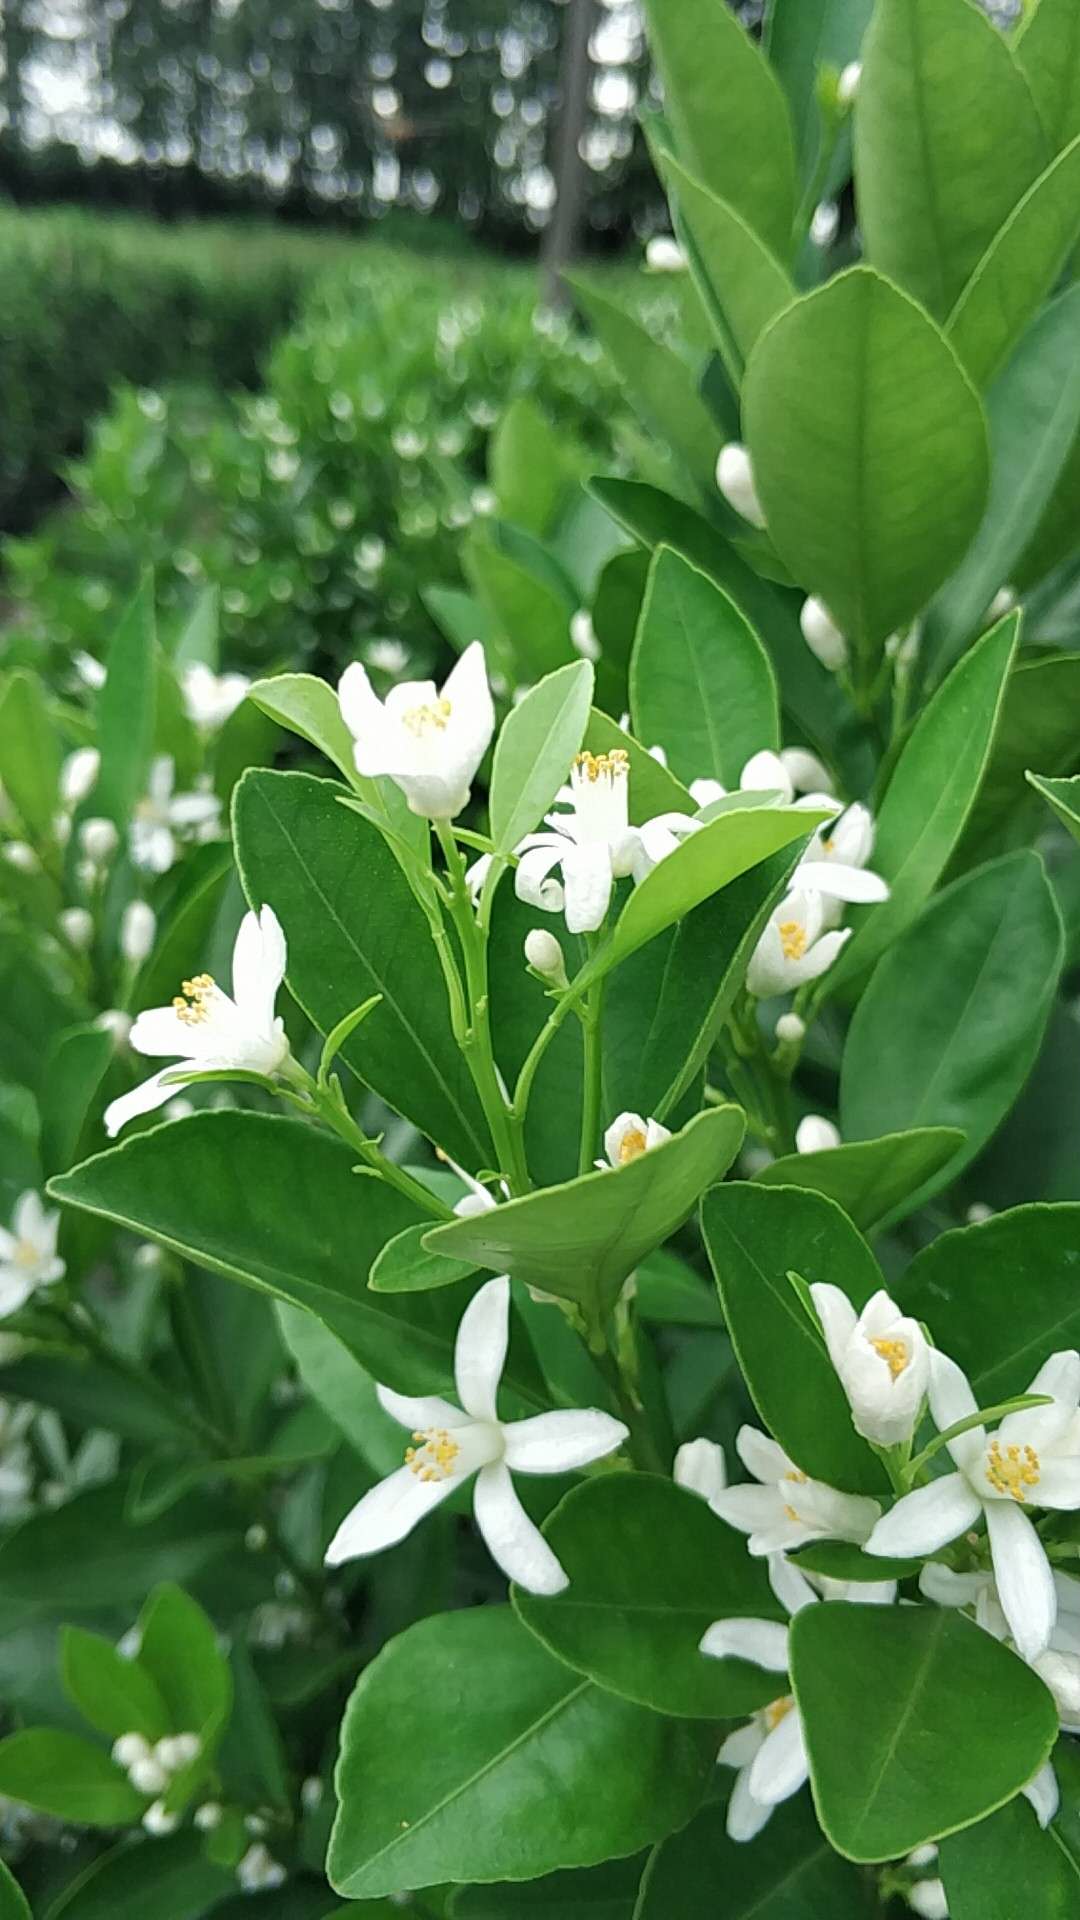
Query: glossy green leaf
{"points": [[790, 1874], [13, 1904], [535, 750], [406, 1266], [801, 37], [951, 1023], [839, 1560], [608, 1892], [741, 282], [581, 1240], [544, 1770], [532, 617], [29, 753], [728, 113], [931, 793], [349, 916], [1001, 1348], [869, 1179], [947, 140], [754, 1237], [85, 1557], [172, 1873], [114, 1694], [126, 710], [178, 1645], [342, 1388], [660, 385], [309, 707], [650, 1568], [897, 1757], [701, 685], [62, 1774], [843, 457], [1008, 1865], [1034, 411], [1063, 796], [1048, 50], [1019, 268]]}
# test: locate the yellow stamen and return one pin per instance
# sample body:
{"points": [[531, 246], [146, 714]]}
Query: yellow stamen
{"points": [[434, 1459], [894, 1353], [421, 720], [192, 1003], [592, 765], [1013, 1469], [631, 1146], [25, 1254], [777, 1710], [792, 939]]}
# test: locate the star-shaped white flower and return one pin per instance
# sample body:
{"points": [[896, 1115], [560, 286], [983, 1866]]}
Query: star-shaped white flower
{"points": [[834, 863], [28, 1256], [163, 818], [1033, 1460], [430, 743], [882, 1358], [209, 697], [451, 1444], [628, 1137], [787, 1509], [592, 845], [210, 1031], [795, 947]]}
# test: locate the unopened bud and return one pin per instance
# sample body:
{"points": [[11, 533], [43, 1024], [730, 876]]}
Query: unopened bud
{"points": [[825, 224], [848, 84], [583, 635], [978, 1213], [1002, 603], [545, 956], [137, 930], [117, 1023], [159, 1821], [927, 1898], [78, 775], [822, 635], [130, 1749], [178, 1750], [98, 839], [147, 1775], [20, 855], [77, 927], [209, 1816], [790, 1029], [735, 479], [255, 1538], [815, 1134], [664, 255]]}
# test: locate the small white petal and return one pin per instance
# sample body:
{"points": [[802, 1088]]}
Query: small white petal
{"points": [[700, 1468], [762, 1456], [387, 1513], [1043, 1794], [1025, 1582], [791, 1587], [927, 1519], [837, 1315], [514, 1543], [427, 1410], [741, 1746], [480, 1349], [142, 1099], [745, 1815], [763, 1642], [561, 1442], [781, 1766]]}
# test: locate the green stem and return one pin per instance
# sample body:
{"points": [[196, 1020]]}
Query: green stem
{"points": [[641, 1446], [327, 1103], [593, 1067]]}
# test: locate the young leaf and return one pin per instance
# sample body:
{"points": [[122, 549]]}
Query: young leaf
{"points": [[896, 1755], [307, 706], [61, 1774], [660, 385], [840, 467], [869, 1179], [544, 1770], [178, 1646], [405, 1266], [535, 750], [114, 1694]]}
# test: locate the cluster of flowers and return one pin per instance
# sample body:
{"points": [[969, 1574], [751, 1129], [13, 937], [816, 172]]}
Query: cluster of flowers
{"points": [[153, 1768]]}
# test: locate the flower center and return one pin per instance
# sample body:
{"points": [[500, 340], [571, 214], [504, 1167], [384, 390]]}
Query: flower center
{"points": [[799, 1477], [792, 939], [894, 1353], [1013, 1469], [434, 1459], [777, 1710], [594, 766], [631, 1146], [192, 1003], [26, 1255], [429, 719]]}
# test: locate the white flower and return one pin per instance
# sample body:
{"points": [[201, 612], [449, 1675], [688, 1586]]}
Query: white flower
{"points": [[788, 1510], [700, 1467], [847, 86], [927, 1898], [822, 635], [77, 927], [138, 927], [882, 1358], [159, 1821], [593, 845], [450, 1445], [429, 743], [210, 1031], [834, 863], [1033, 1460], [78, 775], [629, 1136], [664, 255], [735, 479], [583, 635], [795, 946], [258, 1871], [209, 698], [814, 1133], [825, 224], [209, 1816], [98, 839], [162, 818], [28, 1257]]}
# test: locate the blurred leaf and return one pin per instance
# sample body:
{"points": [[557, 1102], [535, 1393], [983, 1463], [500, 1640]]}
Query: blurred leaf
{"points": [[659, 383], [801, 39], [12, 1900], [607, 1892], [794, 1875], [126, 711], [172, 1872], [75, 1067], [29, 754], [115, 1694], [530, 466], [742, 284], [1048, 52], [60, 1774], [1007, 1865], [1019, 268]]}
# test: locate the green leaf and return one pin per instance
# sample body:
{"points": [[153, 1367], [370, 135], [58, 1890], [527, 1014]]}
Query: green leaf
{"points": [[531, 614], [978, 1325], [869, 1179], [405, 1265], [307, 706], [930, 795], [728, 113], [252, 1761], [530, 466], [947, 140], [29, 753], [581, 1240], [896, 1755], [741, 282], [607, 1892], [12, 1899], [349, 915], [84, 1557], [1063, 796], [952, 1021], [1048, 50], [792, 1875], [116, 1695], [634, 1613], [1007, 1865], [1039, 726], [1019, 268], [126, 710], [801, 37], [544, 1770], [660, 384], [187, 931], [839, 1560], [840, 466], [61, 1774], [535, 750], [178, 1646], [75, 1067], [1034, 409], [171, 1873], [342, 1388], [754, 1236], [700, 680]]}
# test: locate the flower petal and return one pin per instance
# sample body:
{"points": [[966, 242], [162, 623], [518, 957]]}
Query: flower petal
{"points": [[762, 1456], [951, 1399], [386, 1514], [840, 882], [365, 717], [781, 1766], [258, 966], [1059, 1484], [818, 959], [514, 1543], [763, 1642], [143, 1099], [740, 1747], [837, 1315], [160, 1032], [423, 1412], [561, 1442], [480, 1349], [927, 1519], [700, 1468], [531, 883], [745, 1815], [588, 880], [1025, 1583], [750, 1508], [1043, 1794], [765, 772], [792, 1588]]}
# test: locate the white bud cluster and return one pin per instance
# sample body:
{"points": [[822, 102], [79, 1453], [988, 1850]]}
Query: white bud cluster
{"points": [[151, 1768], [258, 1871]]}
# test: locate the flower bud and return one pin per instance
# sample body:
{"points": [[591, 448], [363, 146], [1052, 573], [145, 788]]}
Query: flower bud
{"points": [[98, 839], [822, 635], [20, 855], [927, 1898], [882, 1359], [825, 224], [78, 775], [583, 634], [847, 86], [209, 1816], [130, 1749], [116, 1022], [1002, 603], [790, 1029], [700, 1468], [664, 255], [978, 1213], [159, 1821], [177, 1750], [815, 1134], [148, 1775], [735, 479], [137, 930], [545, 956], [77, 927]]}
